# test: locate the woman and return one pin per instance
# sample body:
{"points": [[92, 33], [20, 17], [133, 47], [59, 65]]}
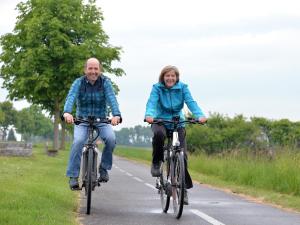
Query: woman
{"points": [[166, 100]]}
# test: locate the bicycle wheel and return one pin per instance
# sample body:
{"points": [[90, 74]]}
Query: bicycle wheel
{"points": [[165, 188], [178, 183], [88, 183]]}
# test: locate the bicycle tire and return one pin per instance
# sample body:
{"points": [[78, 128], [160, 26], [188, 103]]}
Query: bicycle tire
{"points": [[164, 189], [178, 183], [89, 181]]}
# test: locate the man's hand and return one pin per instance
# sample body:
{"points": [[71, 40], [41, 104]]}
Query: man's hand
{"points": [[68, 118], [115, 120], [202, 120], [149, 119]]}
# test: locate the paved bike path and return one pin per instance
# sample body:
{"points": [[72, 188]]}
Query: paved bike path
{"points": [[129, 198]]}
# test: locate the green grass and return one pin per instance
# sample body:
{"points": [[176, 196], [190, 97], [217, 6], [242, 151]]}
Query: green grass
{"points": [[273, 181], [34, 190], [139, 154], [279, 175]]}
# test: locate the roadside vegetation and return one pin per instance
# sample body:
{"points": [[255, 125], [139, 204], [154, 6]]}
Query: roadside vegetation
{"points": [[34, 190], [274, 181]]}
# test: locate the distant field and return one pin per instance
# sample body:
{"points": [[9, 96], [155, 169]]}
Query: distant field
{"points": [[34, 190], [276, 181]]}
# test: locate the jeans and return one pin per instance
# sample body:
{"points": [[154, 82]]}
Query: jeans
{"points": [[107, 135], [158, 140]]}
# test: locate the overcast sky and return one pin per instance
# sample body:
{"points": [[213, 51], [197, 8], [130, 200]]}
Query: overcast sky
{"points": [[238, 57]]}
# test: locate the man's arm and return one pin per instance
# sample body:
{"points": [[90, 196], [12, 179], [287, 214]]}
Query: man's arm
{"points": [[112, 101], [70, 100]]}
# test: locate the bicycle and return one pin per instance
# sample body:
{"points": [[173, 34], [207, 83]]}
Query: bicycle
{"points": [[171, 182], [90, 158]]}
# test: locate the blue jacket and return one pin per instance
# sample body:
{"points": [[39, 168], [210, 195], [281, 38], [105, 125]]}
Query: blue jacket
{"points": [[164, 103], [92, 100]]}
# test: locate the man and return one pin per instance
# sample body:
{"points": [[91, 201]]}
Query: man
{"points": [[92, 93]]}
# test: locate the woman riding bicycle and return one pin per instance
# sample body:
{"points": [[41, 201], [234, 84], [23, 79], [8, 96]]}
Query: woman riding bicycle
{"points": [[166, 100]]}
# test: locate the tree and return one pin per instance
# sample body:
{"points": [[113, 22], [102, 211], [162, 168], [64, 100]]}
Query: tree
{"points": [[2, 116], [11, 135], [8, 116], [32, 122], [48, 48]]}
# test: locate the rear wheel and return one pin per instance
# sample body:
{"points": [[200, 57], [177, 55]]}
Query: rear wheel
{"points": [[178, 183], [88, 182], [165, 185]]}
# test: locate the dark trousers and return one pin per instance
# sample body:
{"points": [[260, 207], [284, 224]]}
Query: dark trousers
{"points": [[159, 136]]}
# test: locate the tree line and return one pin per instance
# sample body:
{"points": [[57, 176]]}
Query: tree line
{"points": [[135, 136], [222, 133], [29, 122]]}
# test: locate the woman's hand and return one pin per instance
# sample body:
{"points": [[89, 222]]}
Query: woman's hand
{"points": [[149, 119], [202, 120]]}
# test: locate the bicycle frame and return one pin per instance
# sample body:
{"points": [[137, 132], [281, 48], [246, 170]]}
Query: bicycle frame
{"points": [[90, 158], [171, 182]]}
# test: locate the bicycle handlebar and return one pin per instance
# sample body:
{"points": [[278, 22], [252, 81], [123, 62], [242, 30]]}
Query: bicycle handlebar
{"points": [[78, 121], [190, 120]]}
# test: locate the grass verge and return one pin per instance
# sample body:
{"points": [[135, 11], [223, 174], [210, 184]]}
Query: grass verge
{"points": [[276, 182], [34, 190]]}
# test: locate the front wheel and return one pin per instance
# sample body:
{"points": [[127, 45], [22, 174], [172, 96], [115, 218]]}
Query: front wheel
{"points": [[165, 185], [89, 182], [178, 183]]}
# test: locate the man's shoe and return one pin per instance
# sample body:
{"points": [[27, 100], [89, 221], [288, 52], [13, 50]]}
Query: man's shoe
{"points": [[104, 177], [155, 169], [185, 198], [73, 182]]}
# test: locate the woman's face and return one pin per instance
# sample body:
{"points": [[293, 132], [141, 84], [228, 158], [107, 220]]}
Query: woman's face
{"points": [[170, 78]]}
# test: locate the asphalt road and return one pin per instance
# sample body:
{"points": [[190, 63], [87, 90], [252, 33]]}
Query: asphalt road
{"points": [[130, 198]]}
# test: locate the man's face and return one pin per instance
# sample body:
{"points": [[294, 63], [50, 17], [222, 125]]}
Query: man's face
{"points": [[92, 70]]}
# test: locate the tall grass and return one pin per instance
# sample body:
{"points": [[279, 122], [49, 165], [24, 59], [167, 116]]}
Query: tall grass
{"points": [[34, 190], [281, 174]]}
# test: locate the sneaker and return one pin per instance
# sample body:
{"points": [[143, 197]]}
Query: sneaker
{"points": [[185, 198], [155, 169], [104, 177], [73, 182]]}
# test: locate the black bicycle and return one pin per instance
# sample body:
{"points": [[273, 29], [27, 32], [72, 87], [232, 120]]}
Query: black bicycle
{"points": [[89, 169], [171, 182]]}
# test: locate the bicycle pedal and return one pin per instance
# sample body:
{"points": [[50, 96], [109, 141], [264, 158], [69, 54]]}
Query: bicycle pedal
{"points": [[76, 189]]}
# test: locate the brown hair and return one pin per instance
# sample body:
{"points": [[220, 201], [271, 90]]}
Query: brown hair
{"points": [[167, 69]]}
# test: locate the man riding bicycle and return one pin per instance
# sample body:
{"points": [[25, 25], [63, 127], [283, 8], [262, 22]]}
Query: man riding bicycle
{"points": [[92, 93], [166, 100]]}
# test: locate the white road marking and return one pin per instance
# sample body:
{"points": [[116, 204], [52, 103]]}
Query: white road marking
{"points": [[129, 174], [150, 185], [122, 170], [207, 218], [138, 179]]}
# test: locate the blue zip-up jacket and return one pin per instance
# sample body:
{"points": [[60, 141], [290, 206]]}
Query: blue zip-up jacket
{"points": [[92, 100], [164, 103]]}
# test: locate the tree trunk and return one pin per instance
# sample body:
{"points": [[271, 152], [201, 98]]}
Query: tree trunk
{"points": [[56, 123], [4, 134], [63, 136]]}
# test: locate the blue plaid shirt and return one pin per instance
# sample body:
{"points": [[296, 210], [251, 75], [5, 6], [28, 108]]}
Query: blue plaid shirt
{"points": [[92, 100]]}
